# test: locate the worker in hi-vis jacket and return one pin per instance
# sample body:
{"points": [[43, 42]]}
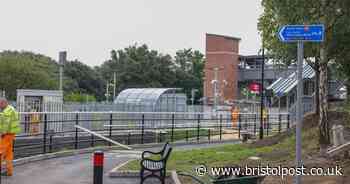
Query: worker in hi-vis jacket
{"points": [[9, 127]]}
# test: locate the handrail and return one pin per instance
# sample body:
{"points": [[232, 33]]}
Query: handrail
{"points": [[103, 137]]}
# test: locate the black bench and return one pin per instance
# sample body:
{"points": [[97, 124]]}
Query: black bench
{"points": [[156, 168]]}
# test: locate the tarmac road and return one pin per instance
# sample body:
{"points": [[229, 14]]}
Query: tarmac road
{"points": [[77, 169], [66, 170]]}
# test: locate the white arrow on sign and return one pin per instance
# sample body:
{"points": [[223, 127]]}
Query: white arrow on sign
{"points": [[281, 37]]}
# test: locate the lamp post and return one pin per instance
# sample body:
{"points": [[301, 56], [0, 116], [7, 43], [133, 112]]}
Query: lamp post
{"points": [[261, 132], [62, 57]]}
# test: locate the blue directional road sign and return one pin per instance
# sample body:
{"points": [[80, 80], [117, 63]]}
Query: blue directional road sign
{"points": [[306, 33]]}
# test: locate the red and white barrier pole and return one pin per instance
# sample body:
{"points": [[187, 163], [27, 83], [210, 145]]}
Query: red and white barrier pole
{"points": [[98, 167]]}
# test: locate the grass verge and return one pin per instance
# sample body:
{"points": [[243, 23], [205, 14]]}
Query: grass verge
{"points": [[272, 150]]}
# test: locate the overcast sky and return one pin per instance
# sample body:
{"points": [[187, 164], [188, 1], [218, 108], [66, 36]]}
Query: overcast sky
{"points": [[90, 29]]}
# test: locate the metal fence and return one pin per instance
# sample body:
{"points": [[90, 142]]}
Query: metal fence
{"points": [[41, 135], [103, 107], [97, 107], [308, 106]]}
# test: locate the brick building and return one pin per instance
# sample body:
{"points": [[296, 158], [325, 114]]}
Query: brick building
{"points": [[227, 73], [222, 60]]}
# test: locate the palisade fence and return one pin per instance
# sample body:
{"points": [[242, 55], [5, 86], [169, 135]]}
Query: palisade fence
{"points": [[45, 132]]}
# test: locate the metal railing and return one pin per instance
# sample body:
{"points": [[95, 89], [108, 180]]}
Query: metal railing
{"points": [[308, 106], [100, 107], [54, 131]]}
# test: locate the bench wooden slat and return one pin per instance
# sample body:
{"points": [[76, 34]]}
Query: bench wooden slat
{"points": [[153, 165]]}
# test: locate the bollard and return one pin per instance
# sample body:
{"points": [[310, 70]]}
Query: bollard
{"points": [[98, 167]]}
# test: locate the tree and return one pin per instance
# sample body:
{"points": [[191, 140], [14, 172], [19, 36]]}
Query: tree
{"points": [[81, 78], [189, 72], [334, 14], [79, 97], [26, 70], [138, 66], [135, 66]]}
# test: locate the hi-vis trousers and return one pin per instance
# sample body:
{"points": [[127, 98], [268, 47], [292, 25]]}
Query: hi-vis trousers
{"points": [[6, 150]]}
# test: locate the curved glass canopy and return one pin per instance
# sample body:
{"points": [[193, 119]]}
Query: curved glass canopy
{"points": [[151, 100]]}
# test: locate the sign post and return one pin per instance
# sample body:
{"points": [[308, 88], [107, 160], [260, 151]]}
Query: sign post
{"points": [[300, 34], [299, 109]]}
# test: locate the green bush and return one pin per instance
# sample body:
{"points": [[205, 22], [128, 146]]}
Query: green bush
{"points": [[79, 97]]}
